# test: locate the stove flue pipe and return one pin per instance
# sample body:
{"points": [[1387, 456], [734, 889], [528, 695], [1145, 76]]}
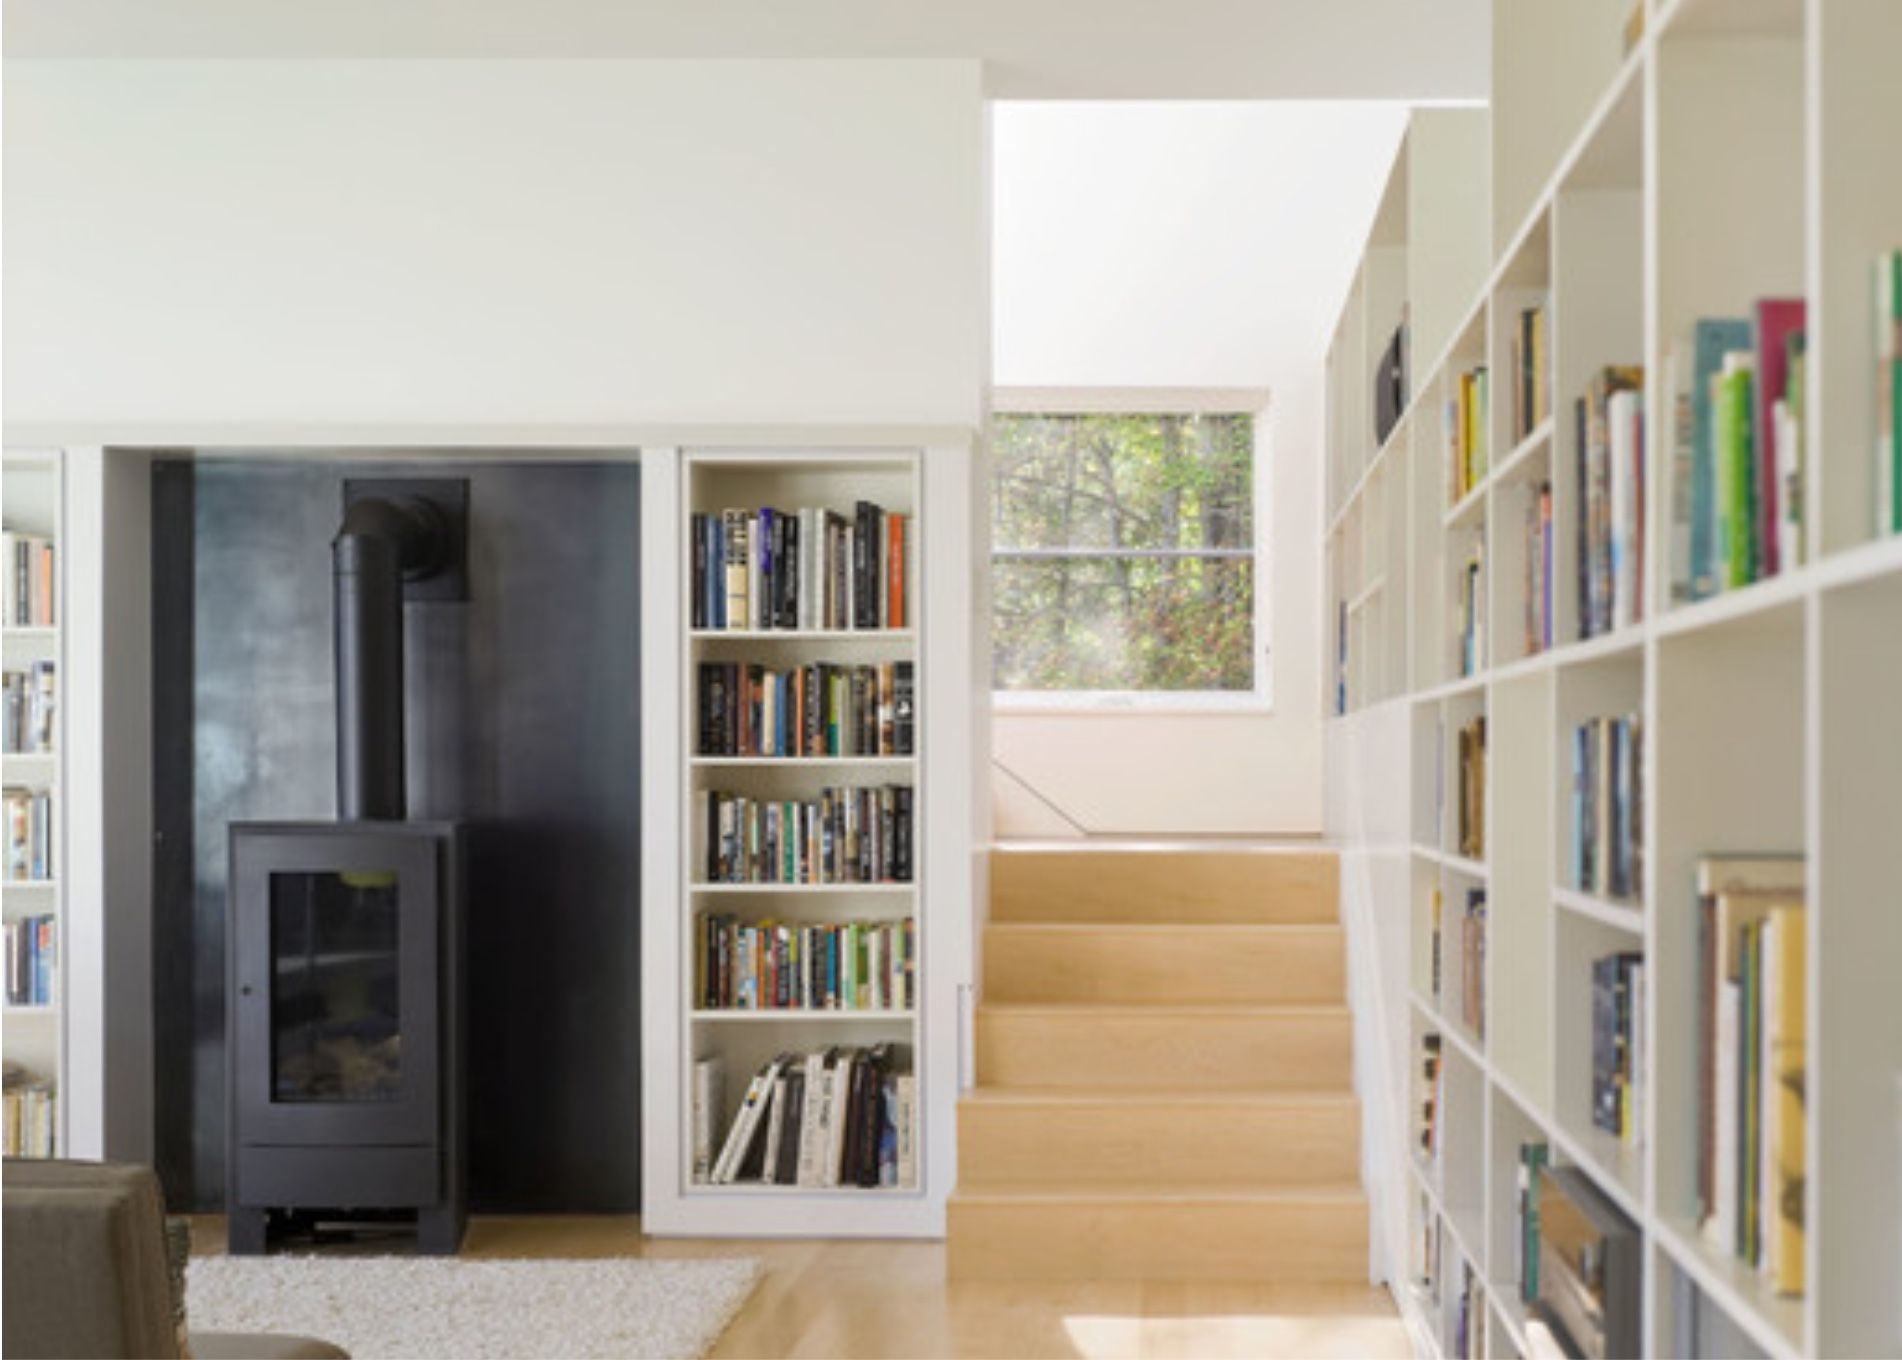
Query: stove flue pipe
{"points": [[378, 545]]}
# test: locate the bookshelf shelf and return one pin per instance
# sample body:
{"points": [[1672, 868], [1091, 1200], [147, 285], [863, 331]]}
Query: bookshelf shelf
{"points": [[1368, 594], [1468, 510], [800, 1016], [803, 762], [1773, 1323], [1618, 915], [1518, 463], [1728, 153], [833, 1193], [806, 889], [32, 491]]}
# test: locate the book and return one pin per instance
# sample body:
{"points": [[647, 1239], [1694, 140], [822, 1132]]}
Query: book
{"points": [[1464, 426], [1533, 1159], [1471, 774], [1733, 441], [1531, 369], [1428, 1101], [1776, 321], [740, 1133], [1679, 427], [1473, 962], [1537, 579], [775, 1126], [709, 1094], [1711, 340], [1607, 806], [813, 1134], [1785, 1081], [1610, 470], [1733, 893], [1471, 638], [905, 1089], [838, 1119]]}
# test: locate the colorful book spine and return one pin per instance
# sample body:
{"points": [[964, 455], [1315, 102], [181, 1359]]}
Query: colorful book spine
{"points": [[1712, 339]]}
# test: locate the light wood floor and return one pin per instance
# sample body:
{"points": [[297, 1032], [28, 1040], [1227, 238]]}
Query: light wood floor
{"points": [[838, 1300]]}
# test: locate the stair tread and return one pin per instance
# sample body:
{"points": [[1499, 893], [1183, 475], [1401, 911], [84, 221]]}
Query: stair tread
{"points": [[1170, 1008], [1244, 1192], [1155, 1095], [1165, 846], [1171, 929]]}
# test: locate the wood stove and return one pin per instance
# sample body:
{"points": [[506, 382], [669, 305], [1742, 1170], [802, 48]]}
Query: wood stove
{"points": [[344, 943]]}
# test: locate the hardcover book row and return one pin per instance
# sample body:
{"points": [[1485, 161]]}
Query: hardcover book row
{"points": [[818, 709], [27, 580], [31, 703], [845, 835], [772, 965], [832, 1118], [31, 954], [802, 570]]}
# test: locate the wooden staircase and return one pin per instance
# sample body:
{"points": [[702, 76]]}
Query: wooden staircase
{"points": [[1164, 1072]]}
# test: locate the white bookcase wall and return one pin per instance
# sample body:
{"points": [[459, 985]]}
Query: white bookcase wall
{"points": [[35, 1035], [1742, 149]]}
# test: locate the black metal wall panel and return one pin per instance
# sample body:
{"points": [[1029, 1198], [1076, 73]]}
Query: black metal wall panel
{"points": [[524, 723]]}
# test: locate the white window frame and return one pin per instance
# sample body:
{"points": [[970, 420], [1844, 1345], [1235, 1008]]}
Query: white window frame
{"points": [[1202, 401]]}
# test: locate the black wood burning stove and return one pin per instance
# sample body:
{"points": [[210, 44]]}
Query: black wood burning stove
{"points": [[344, 944]]}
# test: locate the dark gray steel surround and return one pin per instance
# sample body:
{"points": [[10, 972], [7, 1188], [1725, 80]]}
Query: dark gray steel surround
{"points": [[529, 738]]}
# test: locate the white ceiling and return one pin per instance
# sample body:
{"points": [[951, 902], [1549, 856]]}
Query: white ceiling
{"points": [[1421, 50], [1177, 245]]}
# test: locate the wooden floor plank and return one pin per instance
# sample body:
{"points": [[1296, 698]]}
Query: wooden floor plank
{"points": [[891, 1301]]}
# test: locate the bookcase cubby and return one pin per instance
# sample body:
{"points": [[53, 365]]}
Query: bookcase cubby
{"points": [[801, 839], [1648, 172], [809, 818]]}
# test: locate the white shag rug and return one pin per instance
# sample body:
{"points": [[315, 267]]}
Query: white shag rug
{"points": [[418, 1308]]}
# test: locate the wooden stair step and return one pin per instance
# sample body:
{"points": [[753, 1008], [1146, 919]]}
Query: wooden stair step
{"points": [[1056, 1137], [1216, 1232], [1179, 1047], [1176, 885], [1142, 963]]}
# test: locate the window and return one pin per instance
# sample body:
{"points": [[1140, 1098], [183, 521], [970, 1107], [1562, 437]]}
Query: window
{"points": [[1124, 561]]}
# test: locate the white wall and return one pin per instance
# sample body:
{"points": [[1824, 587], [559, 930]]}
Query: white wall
{"points": [[1197, 245], [494, 242], [1035, 49]]}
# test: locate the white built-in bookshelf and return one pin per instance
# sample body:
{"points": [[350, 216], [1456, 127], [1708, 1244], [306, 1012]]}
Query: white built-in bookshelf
{"points": [[891, 899], [1733, 151], [30, 636]]}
